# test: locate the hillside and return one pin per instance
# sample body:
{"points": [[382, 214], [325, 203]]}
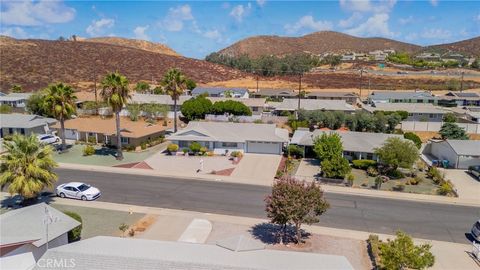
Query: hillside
{"points": [[470, 47], [317, 43], [36, 63], [135, 43]]}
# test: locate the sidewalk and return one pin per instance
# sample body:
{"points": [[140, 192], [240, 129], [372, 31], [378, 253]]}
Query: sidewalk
{"points": [[447, 255], [326, 188]]}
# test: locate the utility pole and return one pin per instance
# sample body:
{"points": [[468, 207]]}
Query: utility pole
{"points": [[257, 83], [461, 82], [95, 85], [361, 77], [299, 88]]}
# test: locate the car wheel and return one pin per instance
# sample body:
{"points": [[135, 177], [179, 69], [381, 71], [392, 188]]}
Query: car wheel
{"points": [[62, 195], [84, 198], [57, 140]]}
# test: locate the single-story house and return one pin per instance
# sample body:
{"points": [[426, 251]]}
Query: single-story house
{"points": [[452, 99], [402, 97], [25, 124], [460, 153], [256, 105], [356, 145], [16, 100], [103, 130], [416, 111], [276, 94], [291, 105], [235, 92], [159, 99], [222, 137], [24, 234], [350, 98], [112, 253]]}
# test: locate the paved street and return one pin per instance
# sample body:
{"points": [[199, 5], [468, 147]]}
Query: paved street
{"points": [[423, 220]]}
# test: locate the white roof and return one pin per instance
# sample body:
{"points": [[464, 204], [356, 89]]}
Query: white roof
{"points": [[15, 96], [230, 132], [465, 147], [158, 99], [409, 107], [249, 102], [105, 253], [27, 225], [291, 104], [365, 142], [17, 120]]}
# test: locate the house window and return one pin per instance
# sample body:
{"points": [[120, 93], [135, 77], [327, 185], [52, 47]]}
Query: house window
{"points": [[229, 144], [22, 131], [183, 144], [369, 156], [10, 130], [432, 115], [125, 140]]}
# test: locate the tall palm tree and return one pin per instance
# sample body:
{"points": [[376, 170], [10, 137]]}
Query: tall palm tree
{"points": [[60, 102], [174, 83], [115, 93], [27, 166]]}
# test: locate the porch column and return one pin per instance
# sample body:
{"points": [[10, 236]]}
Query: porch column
{"points": [[360, 155], [96, 137]]}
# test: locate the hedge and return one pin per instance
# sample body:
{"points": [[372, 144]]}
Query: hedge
{"points": [[76, 233], [364, 163]]}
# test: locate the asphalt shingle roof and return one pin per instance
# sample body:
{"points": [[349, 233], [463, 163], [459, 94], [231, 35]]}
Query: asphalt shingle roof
{"points": [[385, 95], [409, 107], [105, 253], [465, 147], [158, 99], [218, 90], [27, 224], [291, 104], [16, 120]]}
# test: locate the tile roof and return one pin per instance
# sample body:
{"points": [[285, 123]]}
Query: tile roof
{"points": [[131, 129], [105, 253], [27, 224], [16, 120], [365, 142], [465, 147], [230, 132], [314, 104]]}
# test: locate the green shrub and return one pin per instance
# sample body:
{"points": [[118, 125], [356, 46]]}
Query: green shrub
{"points": [[295, 151], [395, 174], [195, 147], [92, 139], [350, 179], [378, 182], [371, 171], [172, 147], [143, 145], [203, 150], [414, 138], [374, 246], [88, 150], [236, 154], [185, 150], [435, 174], [76, 233], [364, 163], [446, 188]]}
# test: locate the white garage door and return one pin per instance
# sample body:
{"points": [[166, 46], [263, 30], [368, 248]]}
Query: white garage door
{"points": [[264, 147]]}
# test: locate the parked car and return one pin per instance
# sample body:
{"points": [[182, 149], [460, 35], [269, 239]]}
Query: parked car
{"points": [[48, 138], [476, 230], [78, 190], [475, 171]]}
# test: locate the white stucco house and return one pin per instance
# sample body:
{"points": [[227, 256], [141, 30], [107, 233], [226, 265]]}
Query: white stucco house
{"points": [[23, 234], [460, 153], [223, 137]]}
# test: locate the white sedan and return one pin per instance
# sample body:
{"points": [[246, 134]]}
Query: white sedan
{"points": [[77, 190], [48, 138]]}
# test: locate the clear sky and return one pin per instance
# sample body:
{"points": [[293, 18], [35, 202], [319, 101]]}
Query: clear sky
{"points": [[197, 28]]}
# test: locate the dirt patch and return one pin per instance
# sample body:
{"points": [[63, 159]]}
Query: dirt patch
{"points": [[144, 223], [226, 172]]}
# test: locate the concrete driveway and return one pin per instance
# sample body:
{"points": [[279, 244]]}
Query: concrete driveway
{"points": [[259, 167], [467, 186], [308, 169]]}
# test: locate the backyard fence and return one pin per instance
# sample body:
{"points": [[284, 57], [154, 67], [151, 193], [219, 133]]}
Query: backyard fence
{"points": [[435, 126]]}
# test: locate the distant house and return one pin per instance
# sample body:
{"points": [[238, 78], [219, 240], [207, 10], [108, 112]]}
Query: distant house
{"points": [[348, 57], [356, 145], [291, 105], [452, 99], [158, 99], [378, 55], [429, 56], [221, 92], [416, 112], [25, 124], [256, 105], [350, 98], [16, 100], [24, 236], [223, 137], [401, 97], [277, 94], [112, 253], [103, 130], [460, 153]]}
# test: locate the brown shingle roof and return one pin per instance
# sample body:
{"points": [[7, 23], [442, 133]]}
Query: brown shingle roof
{"points": [[106, 126]]}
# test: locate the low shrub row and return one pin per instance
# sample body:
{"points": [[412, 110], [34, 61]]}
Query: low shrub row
{"points": [[364, 163]]}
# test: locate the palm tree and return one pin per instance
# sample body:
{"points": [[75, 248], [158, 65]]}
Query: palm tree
{"points": [[27, 166], [174, 83], [60, 102], [115, 93]]}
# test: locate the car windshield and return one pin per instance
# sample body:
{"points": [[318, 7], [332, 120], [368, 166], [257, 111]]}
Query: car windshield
{"points": [[83, 187]]}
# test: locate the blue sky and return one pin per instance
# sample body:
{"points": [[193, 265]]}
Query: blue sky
{"points": [[197, 28]]}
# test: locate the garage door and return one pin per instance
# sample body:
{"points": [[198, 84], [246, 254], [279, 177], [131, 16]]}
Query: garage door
{"points": [[264, 147]]}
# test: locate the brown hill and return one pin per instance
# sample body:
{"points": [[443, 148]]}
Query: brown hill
{"points": [[36, 63], [470, 47], [317, 43], [135, 43]]}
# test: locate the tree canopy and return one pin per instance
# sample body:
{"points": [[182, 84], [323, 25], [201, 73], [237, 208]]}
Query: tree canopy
{"points": [[231, 107], [397, 152], [453, 132], [414, 138], [295, 202], [329, 149], [449, 118], [142, 87], [196, 108]]}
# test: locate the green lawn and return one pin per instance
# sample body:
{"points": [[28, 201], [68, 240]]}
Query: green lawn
{"points": [[362, 180], [103, 156]]}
